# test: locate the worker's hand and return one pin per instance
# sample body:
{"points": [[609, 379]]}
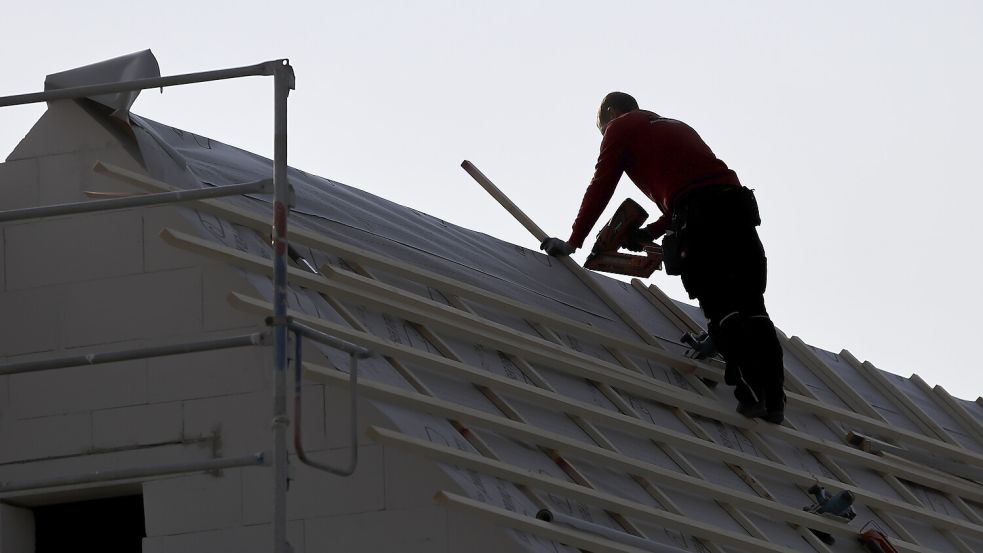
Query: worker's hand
{"points": [[557, 247], [635, 239]]}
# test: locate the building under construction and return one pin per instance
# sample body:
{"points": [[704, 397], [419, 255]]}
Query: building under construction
{"points": [[206, 350]]}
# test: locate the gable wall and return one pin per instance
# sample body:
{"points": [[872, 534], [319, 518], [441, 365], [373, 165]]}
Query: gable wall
{"points": [[103, 281]]}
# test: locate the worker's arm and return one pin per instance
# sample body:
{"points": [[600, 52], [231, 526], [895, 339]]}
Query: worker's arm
{"points": [[658, 228], [607, 173], [636, 240]]}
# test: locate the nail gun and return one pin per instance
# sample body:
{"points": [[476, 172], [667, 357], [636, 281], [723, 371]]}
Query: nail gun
{"points": [[605, 256]]}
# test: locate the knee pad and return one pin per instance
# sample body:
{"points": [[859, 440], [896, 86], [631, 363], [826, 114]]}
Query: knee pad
{"points": [[725, 334], [727, 337]]}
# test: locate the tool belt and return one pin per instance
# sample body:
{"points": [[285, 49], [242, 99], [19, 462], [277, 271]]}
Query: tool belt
{"points": [[696, 211], [672, 258]]}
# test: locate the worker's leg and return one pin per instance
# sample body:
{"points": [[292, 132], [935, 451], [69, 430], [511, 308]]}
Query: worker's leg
{"points": [[726, 329], [761, 352], [712, 274], [727, 273], [765, 368]]}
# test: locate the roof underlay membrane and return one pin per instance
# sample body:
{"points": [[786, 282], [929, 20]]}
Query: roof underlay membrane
{"points": [[532, 390]]}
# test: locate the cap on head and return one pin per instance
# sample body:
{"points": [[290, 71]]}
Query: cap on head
{"points": [[613, 105]]}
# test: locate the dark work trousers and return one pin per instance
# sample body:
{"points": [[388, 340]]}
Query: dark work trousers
{"points": [[726, 270]]}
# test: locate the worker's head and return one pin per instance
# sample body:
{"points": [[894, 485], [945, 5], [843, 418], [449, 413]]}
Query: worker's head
{"points": [[613, 105]]}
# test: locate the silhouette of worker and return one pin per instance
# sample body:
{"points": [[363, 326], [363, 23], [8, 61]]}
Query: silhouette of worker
{"points": [[709, 239]]}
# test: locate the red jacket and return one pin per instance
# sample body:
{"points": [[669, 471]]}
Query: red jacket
{"points": [[663, 157]]}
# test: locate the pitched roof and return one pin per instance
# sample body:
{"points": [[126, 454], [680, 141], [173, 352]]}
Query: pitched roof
{"points": [[536, 390]]}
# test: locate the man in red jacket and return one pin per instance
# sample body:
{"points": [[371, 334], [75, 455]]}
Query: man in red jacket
{"points": [[709, 221]]}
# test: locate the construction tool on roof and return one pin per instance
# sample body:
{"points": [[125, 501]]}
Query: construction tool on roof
{"points": [[874, 539], [700, 345], [839, 506], [605, 257], [866, 443]]}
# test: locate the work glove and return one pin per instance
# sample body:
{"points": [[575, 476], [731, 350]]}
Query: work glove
{"points": [[557, 247], [633, 240]]}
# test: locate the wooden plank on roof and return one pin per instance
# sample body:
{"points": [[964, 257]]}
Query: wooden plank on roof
{"points": [[301, 236], [562, 534], [903, 402], [545, 438], [427, 311], [625, 407], [677, 317], [664, 305], [499, 402], [589, 411], [970, 424], [835, 382], [656, 516], [517, 475], [829, 463], [579, 272]]}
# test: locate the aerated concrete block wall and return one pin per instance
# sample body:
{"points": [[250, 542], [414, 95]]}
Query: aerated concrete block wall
{"points": [[96, 282]]}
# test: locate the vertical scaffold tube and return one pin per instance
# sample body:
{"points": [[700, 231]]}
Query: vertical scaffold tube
{"points": [[283, 81]]}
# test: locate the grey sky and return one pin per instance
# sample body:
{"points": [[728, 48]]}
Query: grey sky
{"points": [[858, 123]]}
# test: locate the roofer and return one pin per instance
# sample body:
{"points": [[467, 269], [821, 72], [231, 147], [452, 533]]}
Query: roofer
{"points": [[709, 222]]}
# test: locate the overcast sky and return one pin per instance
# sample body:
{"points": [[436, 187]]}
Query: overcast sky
{"points": [[858, 123]]}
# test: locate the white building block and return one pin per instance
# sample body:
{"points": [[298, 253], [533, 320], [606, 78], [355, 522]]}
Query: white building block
{"points": [[45, 437], [137, 425], [412, 480], [71, 249], [60, 178], [218, 281], [116, 154], [422, 530], [194, 503], [314, 493], [153, 306], [76, 389], [30, 321], [4, 396], [19, 184], [312, 424], [242, 421], [467, 532], [209, 373], [337, 416], [16, 529], [64, 128], [3, 259], [66, 177], [93, 462], [158, 255], [244, 539]]}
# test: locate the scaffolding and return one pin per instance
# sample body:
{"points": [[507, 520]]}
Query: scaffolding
{"points": [[280, 326]]}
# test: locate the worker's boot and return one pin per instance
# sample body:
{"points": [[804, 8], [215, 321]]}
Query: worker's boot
{"points": [[775, 409], [766, 355], [749, 403], [770, 409], [752, 410]]}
